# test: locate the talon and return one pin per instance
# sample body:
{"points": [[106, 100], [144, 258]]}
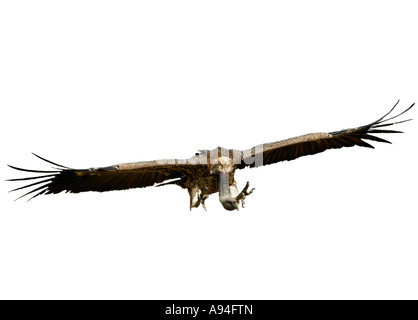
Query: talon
{"points": [[244, 193], [202, 198]]}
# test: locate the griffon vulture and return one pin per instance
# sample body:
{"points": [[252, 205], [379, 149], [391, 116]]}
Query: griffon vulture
{"points": [[205, 173]]}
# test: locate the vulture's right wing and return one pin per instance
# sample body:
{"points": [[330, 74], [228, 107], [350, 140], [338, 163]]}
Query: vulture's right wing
{"points": [[115, 177]]}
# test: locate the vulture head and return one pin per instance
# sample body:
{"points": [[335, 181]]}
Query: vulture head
{"points": [[230, 203]]}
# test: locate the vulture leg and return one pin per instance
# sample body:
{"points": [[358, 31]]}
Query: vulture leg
{"points": [[244, 193], [195, 197], [203, 196]]}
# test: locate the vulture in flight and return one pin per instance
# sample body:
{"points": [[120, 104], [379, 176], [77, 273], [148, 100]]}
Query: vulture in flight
{"points": [[206, 172]]}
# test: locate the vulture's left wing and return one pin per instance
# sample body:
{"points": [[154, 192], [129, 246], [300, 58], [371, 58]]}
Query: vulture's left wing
{"points": [[116, 177], [313, 143]]}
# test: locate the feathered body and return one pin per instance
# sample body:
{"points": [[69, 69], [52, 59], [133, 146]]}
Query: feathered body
{"points": [[205, 173]]}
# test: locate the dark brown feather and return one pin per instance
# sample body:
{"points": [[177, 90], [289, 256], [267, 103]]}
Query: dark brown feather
{"points": [[310, 144], [118, 177], [196, 171]]}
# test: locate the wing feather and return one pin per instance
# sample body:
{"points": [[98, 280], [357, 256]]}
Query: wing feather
{"points": [[117, 177], [314, 143]]}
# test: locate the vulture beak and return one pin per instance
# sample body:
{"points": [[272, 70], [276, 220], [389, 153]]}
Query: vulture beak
{"points": [[237, 205]]}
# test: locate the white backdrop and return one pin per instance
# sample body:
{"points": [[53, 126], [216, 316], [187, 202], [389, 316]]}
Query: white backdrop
{"points": [[94, 83]]}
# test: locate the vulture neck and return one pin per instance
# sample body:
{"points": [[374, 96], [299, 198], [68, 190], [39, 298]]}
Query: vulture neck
{"points": [[225, 168], [224, 192]]}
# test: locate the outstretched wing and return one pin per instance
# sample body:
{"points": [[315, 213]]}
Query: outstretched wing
{"points": [[116, 177], [313, 143]]}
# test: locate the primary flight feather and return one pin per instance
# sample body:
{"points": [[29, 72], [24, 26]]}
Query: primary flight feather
{"points": [[206, 172]]}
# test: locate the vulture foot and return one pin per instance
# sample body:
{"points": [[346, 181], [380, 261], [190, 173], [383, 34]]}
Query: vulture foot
{"points": [[198, 197], [202, 198], [244, 193]]}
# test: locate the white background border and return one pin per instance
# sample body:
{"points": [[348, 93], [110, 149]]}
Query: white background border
{"points": [[95, 83]]}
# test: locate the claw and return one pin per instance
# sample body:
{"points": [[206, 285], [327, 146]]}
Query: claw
{"points": [[198, 197], [244, 193], [202, 198]]}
